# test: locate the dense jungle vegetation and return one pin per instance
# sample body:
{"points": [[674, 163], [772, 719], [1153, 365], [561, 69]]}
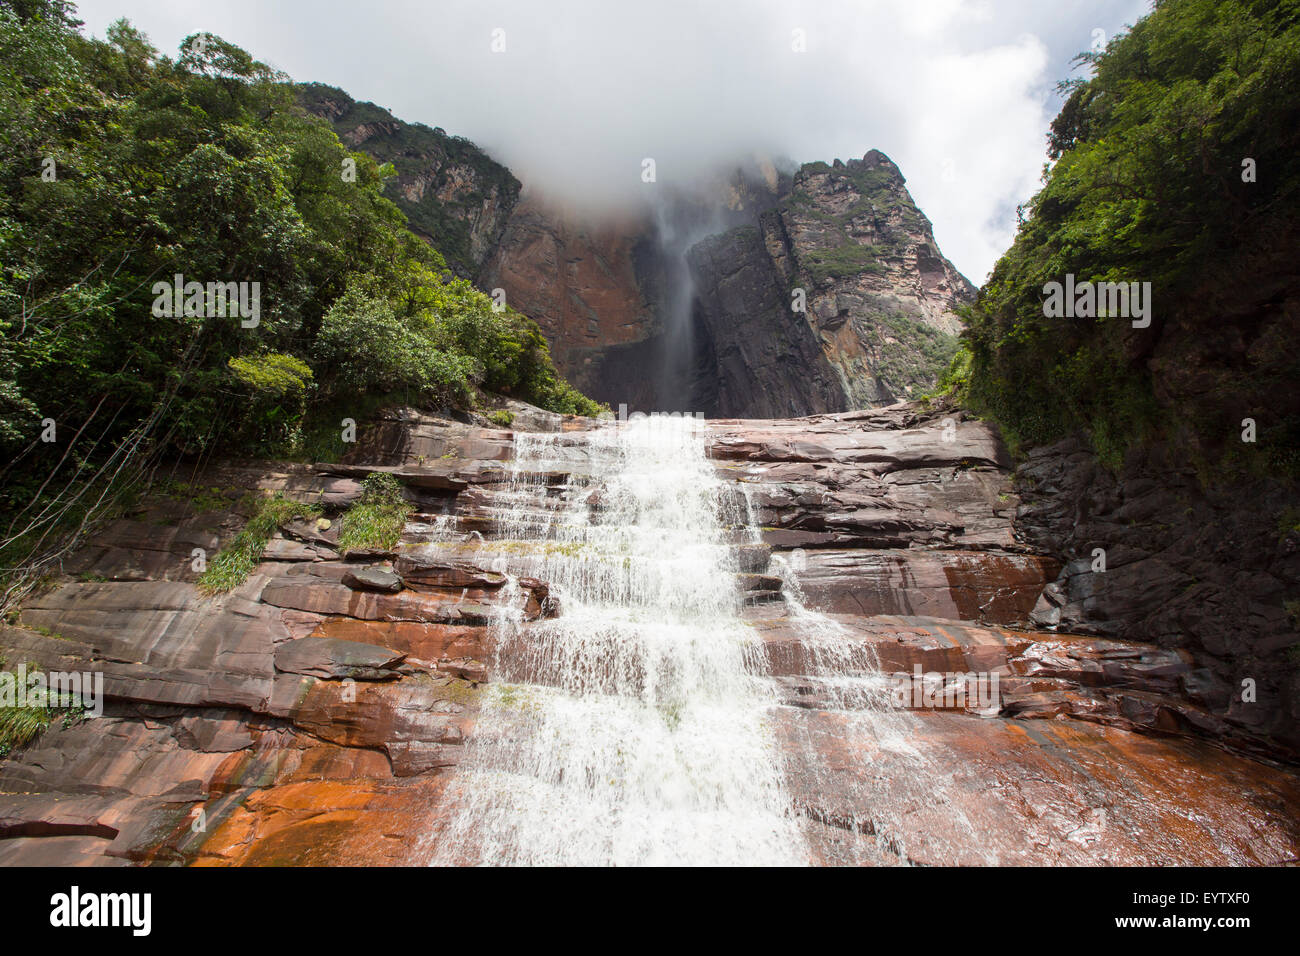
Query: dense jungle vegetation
{"points": [[122, 168], [1177, 162]]}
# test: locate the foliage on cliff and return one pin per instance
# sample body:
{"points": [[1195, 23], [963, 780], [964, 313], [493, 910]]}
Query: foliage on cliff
{"points": [[122, 169], [1151, 184], [414, 149], [883, 196]]}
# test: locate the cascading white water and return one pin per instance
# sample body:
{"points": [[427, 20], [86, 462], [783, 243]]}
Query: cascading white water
{"points": [[635, 728], [894, 777]]}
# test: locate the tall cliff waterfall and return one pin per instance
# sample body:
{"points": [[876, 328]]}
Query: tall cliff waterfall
{"points": [[634, 728]]}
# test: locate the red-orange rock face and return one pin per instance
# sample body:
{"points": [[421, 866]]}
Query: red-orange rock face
{"points": [[319, 713], [578, 282], [593, 288]]}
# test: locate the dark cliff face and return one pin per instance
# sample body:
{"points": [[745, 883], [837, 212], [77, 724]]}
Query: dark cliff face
{"points": [[615, 298], [764, 360], [880, 295], [839, 299], [453, 194], [692, 305]]}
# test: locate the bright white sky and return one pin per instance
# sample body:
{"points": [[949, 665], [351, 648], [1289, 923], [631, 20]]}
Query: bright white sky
{"points": [[959, 93]]}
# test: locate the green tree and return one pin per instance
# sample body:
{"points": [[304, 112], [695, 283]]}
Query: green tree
{"points": [[1148, 185]]}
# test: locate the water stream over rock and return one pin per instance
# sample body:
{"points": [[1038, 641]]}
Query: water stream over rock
{"points": [[634, 728], [663, 642]]}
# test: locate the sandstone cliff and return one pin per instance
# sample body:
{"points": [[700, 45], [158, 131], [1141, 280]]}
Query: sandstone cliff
{"points": [[614, 295], [880, 295], [876, 323], [687, 303], [838, 299], [453, 194], [763, 358], [317, 713]]}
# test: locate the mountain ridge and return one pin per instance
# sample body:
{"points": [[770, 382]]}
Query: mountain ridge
{"points": [[878, 295]]}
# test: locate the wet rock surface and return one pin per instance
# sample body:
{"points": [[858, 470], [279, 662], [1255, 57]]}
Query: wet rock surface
{"points": [[315, 715], [1150, 554]]}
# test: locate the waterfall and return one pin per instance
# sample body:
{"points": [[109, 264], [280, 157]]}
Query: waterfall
{"points": [[636, 727], [892, 775], [682, 219], [641, 726], [676, 230]]}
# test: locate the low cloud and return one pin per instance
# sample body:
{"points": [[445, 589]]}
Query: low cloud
{"points": [[958, 92]]}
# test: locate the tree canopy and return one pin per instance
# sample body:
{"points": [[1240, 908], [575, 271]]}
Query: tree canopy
{"points": [[1176, 163], [122, 168]]}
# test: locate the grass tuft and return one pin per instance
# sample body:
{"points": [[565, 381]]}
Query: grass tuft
{"points": [[235, 562], [21, 725], [376, 521]]}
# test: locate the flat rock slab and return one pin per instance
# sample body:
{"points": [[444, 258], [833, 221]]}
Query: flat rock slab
{"points": [[287, 549], [886, 643], [959, 585], [336, 659], [373, 579], [942, 788], [819, 439], [361, 822], [419, 641]]}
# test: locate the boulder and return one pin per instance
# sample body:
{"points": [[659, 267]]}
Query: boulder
{"points": [[335, 659], [373, 579]]}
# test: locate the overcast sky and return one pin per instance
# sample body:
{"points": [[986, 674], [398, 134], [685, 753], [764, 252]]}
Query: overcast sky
{"points": [[959, 93]]}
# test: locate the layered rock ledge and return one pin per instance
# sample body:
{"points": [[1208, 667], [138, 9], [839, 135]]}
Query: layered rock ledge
{"points": [[315, 714]]}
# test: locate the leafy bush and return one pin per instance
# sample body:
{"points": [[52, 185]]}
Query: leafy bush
{"points": [[274, 373], [204, 165], [363, 346]]}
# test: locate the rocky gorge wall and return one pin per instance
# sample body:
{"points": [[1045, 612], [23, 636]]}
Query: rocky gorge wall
{"points": [[1150, 554], [453, 194], [595, 291], [687, 302], [873, 321], [318, 712], [1198, 523]]}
